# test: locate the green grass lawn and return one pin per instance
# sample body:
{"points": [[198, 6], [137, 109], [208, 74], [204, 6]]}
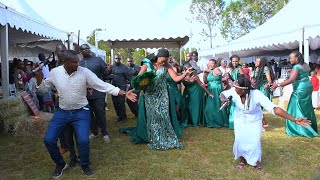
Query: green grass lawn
{"points": [[207, 155]]}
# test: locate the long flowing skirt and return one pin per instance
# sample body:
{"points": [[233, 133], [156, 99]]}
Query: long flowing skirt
{"points": [[300, 105], [247, 139]]}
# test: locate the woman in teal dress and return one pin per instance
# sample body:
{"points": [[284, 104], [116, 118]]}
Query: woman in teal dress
{"points": [[153, 118], [234, 69], [174, 103], [192, 102], [263, 79], [212, 116], [300, 103]]}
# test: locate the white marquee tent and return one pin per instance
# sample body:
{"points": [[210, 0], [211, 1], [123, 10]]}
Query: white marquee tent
{"points": [[20, 25], [297, 24]]}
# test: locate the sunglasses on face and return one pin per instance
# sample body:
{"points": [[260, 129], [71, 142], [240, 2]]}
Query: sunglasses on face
{"points": [[117, 58]]}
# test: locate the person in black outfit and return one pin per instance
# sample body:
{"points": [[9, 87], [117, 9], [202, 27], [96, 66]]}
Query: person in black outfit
{"points": [[96, 99], [134, 71], [120, 76]]}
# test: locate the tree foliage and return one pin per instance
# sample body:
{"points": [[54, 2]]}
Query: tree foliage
{"points": [[241, 16], [207, 12], [101, 44], [137, 55]]}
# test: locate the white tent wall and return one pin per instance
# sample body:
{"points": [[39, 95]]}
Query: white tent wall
{"points": [[31, 54]]}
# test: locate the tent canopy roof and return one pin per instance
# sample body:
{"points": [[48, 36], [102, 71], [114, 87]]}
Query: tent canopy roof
{"points": [[171, 42], [20, 16], [143, 39], [283, 31]]}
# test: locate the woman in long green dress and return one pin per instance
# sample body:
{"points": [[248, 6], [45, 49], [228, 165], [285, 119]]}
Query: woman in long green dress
{"points": [[234, 69], [156, 100], [300, 103], [212, 116], [154, 125], [174, 103], [263, 79], [192, 102]]}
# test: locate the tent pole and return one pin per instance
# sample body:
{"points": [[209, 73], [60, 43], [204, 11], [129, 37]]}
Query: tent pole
{"points": [[111, 56], [300, 46], [301, 41], [230, 54], [306, 51], [4, 60], [180, 50]]}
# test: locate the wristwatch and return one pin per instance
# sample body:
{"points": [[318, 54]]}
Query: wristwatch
{"points": [[124, 93]]}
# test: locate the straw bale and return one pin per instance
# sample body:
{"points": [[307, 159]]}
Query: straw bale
{"points": [[15, 118]]}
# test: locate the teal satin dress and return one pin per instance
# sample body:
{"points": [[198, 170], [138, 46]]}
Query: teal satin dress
{"points": [[266, 92], [234, 74], [192, 105], [212, 117], [300, 105], [174, 101]]}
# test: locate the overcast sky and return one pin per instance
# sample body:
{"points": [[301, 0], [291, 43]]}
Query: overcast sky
{"points": [[120, 17]]}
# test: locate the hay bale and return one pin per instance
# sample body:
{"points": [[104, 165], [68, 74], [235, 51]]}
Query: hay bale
{"points": [[15, 118]]}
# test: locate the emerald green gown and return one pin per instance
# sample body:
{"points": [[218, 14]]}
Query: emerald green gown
{"points": [[212, 117], [234, 74], [300, 105], [174, 100], [154, 124], [266, 92], [192, 105]]}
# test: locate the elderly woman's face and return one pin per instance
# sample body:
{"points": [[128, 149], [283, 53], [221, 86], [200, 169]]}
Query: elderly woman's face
{"points": [[223, 63]]}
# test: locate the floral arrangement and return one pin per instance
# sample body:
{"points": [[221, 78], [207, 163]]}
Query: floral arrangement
{"points": [[143, 80]]}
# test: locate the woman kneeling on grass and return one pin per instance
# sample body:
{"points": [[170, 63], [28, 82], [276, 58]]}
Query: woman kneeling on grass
{"points": [[247, 122]]}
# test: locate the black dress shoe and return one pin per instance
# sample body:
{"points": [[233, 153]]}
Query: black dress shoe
{"points": [[87, 171]]}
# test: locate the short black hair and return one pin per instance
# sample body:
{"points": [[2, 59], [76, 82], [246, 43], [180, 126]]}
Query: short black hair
{"points": [[234, 56], [244, 82], [163, 53], [152, 57], [299, 56], [41, 56], [195, 52], [68, 55]]}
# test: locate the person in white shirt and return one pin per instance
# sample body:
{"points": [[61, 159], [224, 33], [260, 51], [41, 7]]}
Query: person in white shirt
{"points": [[71, 82], [222, 64], [45, 69], [247, 121]]}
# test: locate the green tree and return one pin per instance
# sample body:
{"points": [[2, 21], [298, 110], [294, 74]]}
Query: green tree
{"points": [[137, 55], [242, 16], [101, 44], [207, 12], [124, 53]]}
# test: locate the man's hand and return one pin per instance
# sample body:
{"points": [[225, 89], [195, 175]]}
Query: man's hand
{"points": [[189, 71], [303, 122], [38, 74], [274, 86], [131, 96]]}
